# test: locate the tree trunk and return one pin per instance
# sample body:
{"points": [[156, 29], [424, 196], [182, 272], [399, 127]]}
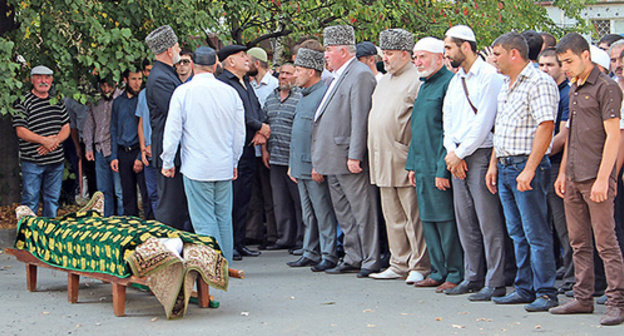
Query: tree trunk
{"points": [[9, 164]]}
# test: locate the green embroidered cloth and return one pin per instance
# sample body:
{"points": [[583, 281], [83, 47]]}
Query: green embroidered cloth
{"points": [[87, 242]]}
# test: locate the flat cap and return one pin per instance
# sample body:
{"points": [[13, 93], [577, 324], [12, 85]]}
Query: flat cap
{"points": [[205, 56], [430, 44], [310, 59], [258, 53], [338, 35], [396, 39], [161, 39], [232, 49], [365, 49], [41, 70], [461, 32]]}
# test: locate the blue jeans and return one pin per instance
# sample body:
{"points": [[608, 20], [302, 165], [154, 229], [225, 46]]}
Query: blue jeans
{"points": [[47, 177], [109, 183], [210, 208], [526, 216], [150, 173]]}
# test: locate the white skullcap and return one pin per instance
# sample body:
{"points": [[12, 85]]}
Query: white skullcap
{"points": [[461, 32], [599, 56], [430, 44]]}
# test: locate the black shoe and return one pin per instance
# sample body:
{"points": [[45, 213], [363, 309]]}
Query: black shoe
{"points": [[565, 288], [512, 298], [273, 247], [486, 293], [237, 256], [365, 272], [323, 265], [464, 287], [342, 268], [302, 262], [246, 252]]}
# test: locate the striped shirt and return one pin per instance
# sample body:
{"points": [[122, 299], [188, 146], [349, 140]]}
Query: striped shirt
{"points": [[280, 116], [39, 116]]}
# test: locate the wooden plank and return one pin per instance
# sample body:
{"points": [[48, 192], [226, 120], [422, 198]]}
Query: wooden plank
{"points": [[203, 293], [73, 283], [31, 277]]}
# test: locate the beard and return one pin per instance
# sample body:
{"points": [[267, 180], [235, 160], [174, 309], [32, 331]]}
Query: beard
{"points": [[425, 72], [252, 72], [176, 58], [285, 87], [132, 91], [456, 62]]}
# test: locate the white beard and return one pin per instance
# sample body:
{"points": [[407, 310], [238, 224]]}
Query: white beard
{"points": [[176, 58], [425, 73]]}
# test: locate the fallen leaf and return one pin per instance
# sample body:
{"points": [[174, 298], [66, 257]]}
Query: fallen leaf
{"points": [[245, 313], [45, 313], [368, 310], [78, 325], [538, 327], [457, 326], [98, 324], [292, 297], [370, 326], [404, 314], [438, 319], [333, 325], [329, 303], [462, 313], [154, 319], [516, 323]]}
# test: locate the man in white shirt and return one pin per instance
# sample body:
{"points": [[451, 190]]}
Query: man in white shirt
{"points": [[469, 111], [207, 118]]}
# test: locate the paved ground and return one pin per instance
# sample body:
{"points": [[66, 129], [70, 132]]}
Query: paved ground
{"points": [[273, 300]]}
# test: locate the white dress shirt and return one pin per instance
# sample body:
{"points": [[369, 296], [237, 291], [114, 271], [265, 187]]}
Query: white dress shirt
{"points": [[465, 131], [337, 74], [206, 117]]}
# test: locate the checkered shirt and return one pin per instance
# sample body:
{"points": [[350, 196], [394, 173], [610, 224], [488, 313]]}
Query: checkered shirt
{"points": [[531, 100]]}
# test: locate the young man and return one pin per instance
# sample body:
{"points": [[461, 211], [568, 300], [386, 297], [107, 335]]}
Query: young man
{"points": [[587, 176], [145, 141], [126, 151], [184, 67], [41, 129], [519, 170]]}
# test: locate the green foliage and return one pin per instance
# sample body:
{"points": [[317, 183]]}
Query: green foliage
{"points": [[82, 39]]}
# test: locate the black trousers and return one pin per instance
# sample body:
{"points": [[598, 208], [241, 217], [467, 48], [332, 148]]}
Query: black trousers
{"points": [[242, 194], [172, 205], [88, 169], [129, 181]]}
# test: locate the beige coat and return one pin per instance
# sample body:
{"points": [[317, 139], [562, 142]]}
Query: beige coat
{"points": [[389, 128]]}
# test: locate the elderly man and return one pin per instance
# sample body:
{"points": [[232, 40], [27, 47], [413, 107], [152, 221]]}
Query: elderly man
{"points": [[468, 117], [207, 118], [519, 169], [172, 207], [587, 179], [615, 51], [339, 151], [280, 110], [41, 128], [427, 169], [235, 67], [389, 135], [319, 219]]}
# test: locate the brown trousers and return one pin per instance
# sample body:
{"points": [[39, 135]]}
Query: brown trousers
{"points": [[583, 215], [405, 234]]}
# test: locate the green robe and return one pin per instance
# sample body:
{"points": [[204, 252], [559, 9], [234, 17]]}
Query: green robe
{"points": [[426, 151]]}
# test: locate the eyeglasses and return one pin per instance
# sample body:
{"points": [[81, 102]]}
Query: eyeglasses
{"points": [[185, 62]]}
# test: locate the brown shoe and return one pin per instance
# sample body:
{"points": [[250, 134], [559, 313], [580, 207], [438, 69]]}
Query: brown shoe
{"points": [[573, 307], [428, 282], [444, 286], [613, 316]]}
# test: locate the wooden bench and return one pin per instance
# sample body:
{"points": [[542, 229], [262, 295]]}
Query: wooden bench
{"points": [[119, 284]]}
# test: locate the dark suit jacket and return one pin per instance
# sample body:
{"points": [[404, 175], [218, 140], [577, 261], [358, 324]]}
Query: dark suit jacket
{"points": [[160, 85], [340, 131]]}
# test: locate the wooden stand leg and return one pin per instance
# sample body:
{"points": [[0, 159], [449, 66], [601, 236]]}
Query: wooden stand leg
{"points": [[203, 293], [119, 299], [31, 277], [73, 283]]}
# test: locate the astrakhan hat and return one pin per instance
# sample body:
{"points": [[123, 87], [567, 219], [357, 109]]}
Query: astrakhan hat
{"points": [[310, 59], [338, 35], [161, 39], [396, 39]]}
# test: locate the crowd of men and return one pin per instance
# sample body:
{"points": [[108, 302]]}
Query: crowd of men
{"points": [[430, 161]]}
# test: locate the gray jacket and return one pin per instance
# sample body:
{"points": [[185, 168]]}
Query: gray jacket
{"points": [[340, 131]]}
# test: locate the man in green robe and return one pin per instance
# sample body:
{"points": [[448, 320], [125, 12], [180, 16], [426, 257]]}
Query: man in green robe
{"points": [[427, 169]]}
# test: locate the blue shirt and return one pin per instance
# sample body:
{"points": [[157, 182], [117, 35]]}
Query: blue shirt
{"points": [[124, 124], [562, 113], [142, 111]]}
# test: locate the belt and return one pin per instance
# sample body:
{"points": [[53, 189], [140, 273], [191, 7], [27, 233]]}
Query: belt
{"points": [[129, 148], [509, 160]]}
